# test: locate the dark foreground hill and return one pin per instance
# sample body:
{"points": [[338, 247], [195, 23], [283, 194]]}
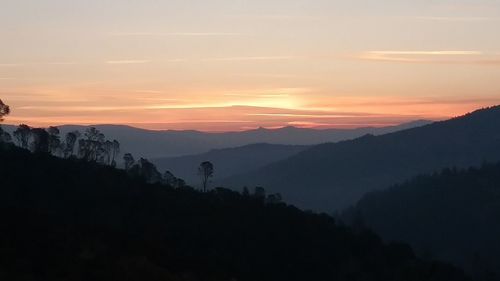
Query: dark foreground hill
{"points": [[453, 215], [70, 220], [228, 162], [333, 176]]}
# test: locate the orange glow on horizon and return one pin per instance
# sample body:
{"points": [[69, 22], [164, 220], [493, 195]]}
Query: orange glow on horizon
{"points": [[253, 112], [235, 65]]}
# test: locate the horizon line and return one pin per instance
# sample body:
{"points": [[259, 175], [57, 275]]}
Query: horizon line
{"points": [[270, 128]]}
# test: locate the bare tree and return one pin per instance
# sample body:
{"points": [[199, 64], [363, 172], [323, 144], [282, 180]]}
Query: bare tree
{"points": [[206, 172]]}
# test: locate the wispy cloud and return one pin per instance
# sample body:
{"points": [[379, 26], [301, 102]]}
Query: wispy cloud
{"points": [[174, 34], [316, 115], [176, 60], [259, 95], [272, 92], [7, 78], [428, 53], [457, 19], [265, 75], [127, 61], [149, 91], [253, 58], [439, 57], [275, 17], [62, 63], [36, 64], [63, 108]]}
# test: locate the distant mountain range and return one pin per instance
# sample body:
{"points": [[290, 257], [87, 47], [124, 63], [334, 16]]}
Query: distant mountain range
{"points": [[156, 144], [228, 162], [332, 176]]}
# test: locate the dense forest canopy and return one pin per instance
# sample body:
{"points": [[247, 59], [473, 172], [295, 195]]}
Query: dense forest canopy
{"points": [[70, 219], [452, 215]]}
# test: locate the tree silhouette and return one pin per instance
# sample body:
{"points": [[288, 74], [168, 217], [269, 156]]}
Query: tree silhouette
{"points": [[41, 140], [107, 147], [4, 136], [4, 110], [168, 178], [70, 142], [91, 146], [206, 171], [245, 192], [146, 170], [22, 134], [54, 140], [128, 161], [102, 224], [83, 149], [115, 150], [274, 198], [172, 181], [260, 193]]}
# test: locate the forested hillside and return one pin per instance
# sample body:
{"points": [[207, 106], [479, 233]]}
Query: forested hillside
{"points": [[333, 176], [451, 215], [67, 219]]}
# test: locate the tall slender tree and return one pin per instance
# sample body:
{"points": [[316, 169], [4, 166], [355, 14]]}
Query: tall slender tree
{"points": [[108, 150], [206, 172], [115, 150]]}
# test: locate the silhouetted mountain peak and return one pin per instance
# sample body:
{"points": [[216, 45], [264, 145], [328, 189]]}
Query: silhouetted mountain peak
{"points": [[335, 175]]}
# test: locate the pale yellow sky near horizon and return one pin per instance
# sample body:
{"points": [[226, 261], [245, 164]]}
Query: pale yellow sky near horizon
{"points": [[219, 65]]}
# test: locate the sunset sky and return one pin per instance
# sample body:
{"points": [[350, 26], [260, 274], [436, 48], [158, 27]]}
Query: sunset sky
{"points": [[218, 65]]}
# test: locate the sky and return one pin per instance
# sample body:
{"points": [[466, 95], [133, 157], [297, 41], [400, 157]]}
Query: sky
{"points": [[229, 65]]}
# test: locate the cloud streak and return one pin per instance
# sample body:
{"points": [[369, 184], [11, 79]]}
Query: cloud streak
{"points": [[9, 64], [127, 61], [433, 57], [174, 34], [427, 53], [275, 17], [252, 58], [458, 19]]}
